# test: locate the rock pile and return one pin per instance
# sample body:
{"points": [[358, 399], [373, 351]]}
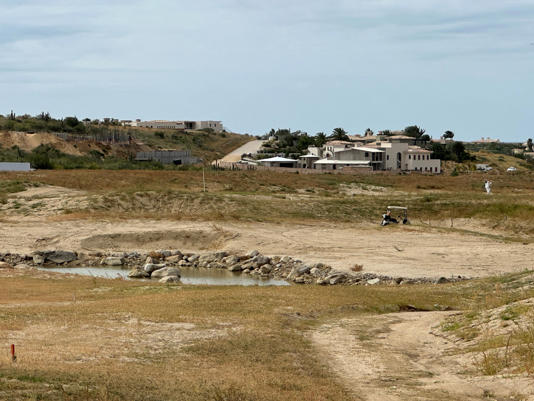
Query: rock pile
{"points": [[164, 266]]}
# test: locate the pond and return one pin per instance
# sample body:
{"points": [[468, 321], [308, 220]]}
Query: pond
{"points": [[189, 276]]}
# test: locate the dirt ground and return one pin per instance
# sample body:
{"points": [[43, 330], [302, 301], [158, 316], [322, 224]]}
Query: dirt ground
{"points": [[398, 251], [405, 357]]}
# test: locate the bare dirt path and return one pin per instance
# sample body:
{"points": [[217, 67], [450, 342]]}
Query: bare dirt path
{"points": [[402, 357], [249, 147]]}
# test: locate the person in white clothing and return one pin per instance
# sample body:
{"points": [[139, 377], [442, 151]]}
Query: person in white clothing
{"points": [[487, 185]]}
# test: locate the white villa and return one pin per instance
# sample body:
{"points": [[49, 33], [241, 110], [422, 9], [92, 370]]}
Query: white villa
{"points": [[392, 153], [216, 126]]}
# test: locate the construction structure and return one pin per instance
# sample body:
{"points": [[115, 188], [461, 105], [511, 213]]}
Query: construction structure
{"points": [[176, 157]]}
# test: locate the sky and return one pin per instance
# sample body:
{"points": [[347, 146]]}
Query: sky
{"points": [[310, 65]]}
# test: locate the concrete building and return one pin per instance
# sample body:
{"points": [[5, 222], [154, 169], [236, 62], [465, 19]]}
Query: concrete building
{"points": [[192, 125], [176, 157], [8, 166]]}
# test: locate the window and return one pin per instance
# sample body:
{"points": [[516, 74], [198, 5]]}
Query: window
{"points": [[387, 157], [418, 157], [436, 169], [366, 154], [428, 157]]}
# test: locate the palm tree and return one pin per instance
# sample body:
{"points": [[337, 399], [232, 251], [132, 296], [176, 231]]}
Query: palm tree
{"points": [[448, 135], [320, 139], [339, 134]]}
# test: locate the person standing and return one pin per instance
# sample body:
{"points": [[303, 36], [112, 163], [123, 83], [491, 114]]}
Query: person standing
{"points": [[487, 185]]}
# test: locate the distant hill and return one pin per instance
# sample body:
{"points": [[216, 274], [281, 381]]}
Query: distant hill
{"points": [[20, 136]]}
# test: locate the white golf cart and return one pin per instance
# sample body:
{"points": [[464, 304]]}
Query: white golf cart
{"points": [[402, 215]]}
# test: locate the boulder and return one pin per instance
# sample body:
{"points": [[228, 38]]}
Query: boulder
{"points": [[4, 265], [253, 254], [114, 261], [166, 272], [138, 273], [152, 267], [230, 260], [173, 259], [441, 280], [149, 260], [235, 268], [193, 258], [169, 279], [266, 269], [303, 270], [60, 256], [38, 259], [373, 281]]}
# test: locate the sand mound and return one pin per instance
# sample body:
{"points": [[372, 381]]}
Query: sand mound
{"points": [[28, 142], [188, 240]]}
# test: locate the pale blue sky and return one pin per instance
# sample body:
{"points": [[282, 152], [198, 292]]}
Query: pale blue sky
{"points": [[313, 65]]}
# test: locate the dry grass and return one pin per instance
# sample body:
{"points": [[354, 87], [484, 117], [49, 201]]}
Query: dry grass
{"points": [[87, 338]]}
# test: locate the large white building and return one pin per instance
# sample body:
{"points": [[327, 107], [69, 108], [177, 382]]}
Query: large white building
{"points": [[192, 125], [393, 153]]}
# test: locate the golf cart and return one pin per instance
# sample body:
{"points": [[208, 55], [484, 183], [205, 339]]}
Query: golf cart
{"points": [[387, 217]]}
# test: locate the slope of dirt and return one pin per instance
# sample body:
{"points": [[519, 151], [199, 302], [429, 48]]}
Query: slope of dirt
{"points": [[180, 239], [398, 357], [28, 142]]}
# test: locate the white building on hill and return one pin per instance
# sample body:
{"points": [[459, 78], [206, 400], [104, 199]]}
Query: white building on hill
{"points": [[192, 125], [393, 153]]}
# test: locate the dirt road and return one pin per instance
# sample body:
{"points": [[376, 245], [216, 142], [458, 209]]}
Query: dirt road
{"points": [[398, 357], [249, 147]]}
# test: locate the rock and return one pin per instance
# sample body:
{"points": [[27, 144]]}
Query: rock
{"points": [[169, 279], [152, 267], [113, 261], [300, 280], [60, 256], [149, 260], [138, 273], [253, 254], [165, 272], [177, 253], [230, 260], [38, 259], [4, 265], [266, 269], [193, 258], [336, 280], [235, 268], [441, 280], [373, 281], [303, 270], [165, 253], [184, 263], [23, 266], [173, 259]]}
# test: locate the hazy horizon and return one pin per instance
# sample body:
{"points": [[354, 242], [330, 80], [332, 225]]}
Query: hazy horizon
{"points": [[310, 66]]}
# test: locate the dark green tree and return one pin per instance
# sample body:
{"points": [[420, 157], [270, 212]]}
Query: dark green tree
{"points": [[339, 134], [529, 144], [320, 139], [448, 135]]}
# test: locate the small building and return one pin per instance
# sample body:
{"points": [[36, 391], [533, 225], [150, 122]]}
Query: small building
{"points": [[176, 157], [307, 161], [278, 162], [8, 166]]}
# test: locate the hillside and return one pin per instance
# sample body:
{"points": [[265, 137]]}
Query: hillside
{"points": [[90, 151]]}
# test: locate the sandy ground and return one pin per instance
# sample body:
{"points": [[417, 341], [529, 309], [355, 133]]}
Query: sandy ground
{"points": [[397, 251], [249, 147], [400, 251], [402, 357]]}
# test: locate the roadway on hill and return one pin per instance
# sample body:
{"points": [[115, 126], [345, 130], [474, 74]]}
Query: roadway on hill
{"points": [[249, 147]]}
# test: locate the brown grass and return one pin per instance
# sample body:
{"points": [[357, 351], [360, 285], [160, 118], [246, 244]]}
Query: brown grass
{"points": [[86, 338]]}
